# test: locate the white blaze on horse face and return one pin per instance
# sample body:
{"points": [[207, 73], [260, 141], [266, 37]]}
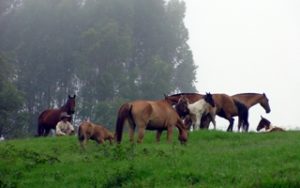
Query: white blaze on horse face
{"points": [[197, 109]]}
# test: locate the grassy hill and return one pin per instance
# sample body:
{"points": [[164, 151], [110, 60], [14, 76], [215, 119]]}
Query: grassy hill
{"points": [[210, 159]]}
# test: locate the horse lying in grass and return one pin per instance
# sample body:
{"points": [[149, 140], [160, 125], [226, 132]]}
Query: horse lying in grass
{"points": [[264, 123], [88, 130], [151, 115]]}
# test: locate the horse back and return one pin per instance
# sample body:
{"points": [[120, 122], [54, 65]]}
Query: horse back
{"points": [[276, 129]]}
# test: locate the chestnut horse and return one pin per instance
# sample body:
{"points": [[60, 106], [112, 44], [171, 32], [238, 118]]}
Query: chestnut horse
{"points": [[226, 107], [197, 109], [49, 118], [264, 123], [88, 130], [151, 115], [251, 99]]}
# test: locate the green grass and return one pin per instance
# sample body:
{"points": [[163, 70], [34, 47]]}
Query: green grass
{"points": [[209, 159]]}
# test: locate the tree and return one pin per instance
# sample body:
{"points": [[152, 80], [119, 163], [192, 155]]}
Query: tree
{"points": [[10, 102], [105, 51]]}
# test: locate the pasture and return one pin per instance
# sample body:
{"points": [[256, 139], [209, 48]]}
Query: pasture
{"points": [[209, 159]]}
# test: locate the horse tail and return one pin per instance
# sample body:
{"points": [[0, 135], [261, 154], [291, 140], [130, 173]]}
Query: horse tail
{"points": [[243, 113], [123, 114]]}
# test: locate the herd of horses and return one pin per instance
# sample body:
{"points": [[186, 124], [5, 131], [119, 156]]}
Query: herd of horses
{"points": [[185, 111]]}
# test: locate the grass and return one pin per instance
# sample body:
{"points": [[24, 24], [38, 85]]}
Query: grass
{"points": [[210, 159]]}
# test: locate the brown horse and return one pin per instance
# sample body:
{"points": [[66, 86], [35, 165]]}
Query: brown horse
{"points": [[226, 107], [264, 123], [49, 118], [151, 115], [88, 130], [251, 99]]}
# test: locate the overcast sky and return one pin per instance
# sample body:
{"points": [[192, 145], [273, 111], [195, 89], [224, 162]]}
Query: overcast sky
{"points": [[249, 46]]}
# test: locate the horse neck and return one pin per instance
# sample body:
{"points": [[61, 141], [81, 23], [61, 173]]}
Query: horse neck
{"points": [[65, 108], [250, 99]]}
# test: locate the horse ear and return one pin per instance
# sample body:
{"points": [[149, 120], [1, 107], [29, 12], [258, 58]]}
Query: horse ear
{"points": [[165, 95], [74, 96]]}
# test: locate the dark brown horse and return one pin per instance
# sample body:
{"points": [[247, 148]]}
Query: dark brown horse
{"points": [[151, 115], [226, 107], [251, 99], [88, 130], [264, 123], [49, 118]]}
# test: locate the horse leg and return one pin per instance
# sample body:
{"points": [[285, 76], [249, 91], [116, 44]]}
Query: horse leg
{"points": [[213, 119], [158, 134], [169, 134], [230, 127], [205, 121], [141, 134], [239, 124], [47, 131]]}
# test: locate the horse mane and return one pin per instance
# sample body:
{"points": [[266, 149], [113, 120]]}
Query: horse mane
{"points": [[178, 94]]}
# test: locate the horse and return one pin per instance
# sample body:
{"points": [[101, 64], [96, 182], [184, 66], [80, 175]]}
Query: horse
{"points": [[251, 99], [88, 130], [197, 109], [48, 119], [192, 97], [264, 123], [226, 107], [156, 115]]}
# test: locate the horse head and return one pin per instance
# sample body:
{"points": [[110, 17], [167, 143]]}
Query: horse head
{"points": [[263, 123], [182, 106], [70, 105], [209, 99], [264, 102]]}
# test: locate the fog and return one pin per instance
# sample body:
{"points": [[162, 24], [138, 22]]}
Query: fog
{"points": [[248, 46]]}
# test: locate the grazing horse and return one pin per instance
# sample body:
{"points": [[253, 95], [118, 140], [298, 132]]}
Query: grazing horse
{"points": [[264, 123], [251, 99], [49, 118], [151, 115], [88, 130], [197, 109]]}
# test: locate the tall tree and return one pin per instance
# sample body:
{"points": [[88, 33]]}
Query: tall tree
{"points": [[106, 51], [10, 102]]}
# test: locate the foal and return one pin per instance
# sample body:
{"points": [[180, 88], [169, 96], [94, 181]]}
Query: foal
{"points": [[264, 123], [197, 109], [88, 130]]}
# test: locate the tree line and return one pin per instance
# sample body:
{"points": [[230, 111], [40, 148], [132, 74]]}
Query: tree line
{"points": [[104, 51]]}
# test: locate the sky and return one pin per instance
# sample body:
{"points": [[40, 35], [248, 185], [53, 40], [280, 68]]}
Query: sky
{"points": [[249, 46]]}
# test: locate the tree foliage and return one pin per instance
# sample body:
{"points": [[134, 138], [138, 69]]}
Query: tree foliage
{"points": [[105, 51]]}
